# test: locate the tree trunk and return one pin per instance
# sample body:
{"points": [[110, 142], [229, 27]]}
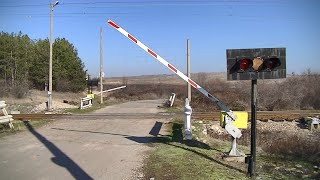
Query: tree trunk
{"points": [[5, 76]]}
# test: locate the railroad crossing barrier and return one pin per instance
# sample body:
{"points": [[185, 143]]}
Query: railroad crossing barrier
{"points": [[187, 120], [5, 118], [171, 99], [109, 90], [86, 102], [241, 123]]}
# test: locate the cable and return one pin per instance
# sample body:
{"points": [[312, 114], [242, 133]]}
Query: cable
{"points": [[153, 3]]}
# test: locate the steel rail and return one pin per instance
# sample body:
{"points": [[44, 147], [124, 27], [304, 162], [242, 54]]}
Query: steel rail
{"points": [[214, 116]]}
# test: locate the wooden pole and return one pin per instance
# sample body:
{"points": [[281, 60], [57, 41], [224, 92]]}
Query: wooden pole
{"points": [[101, 71], [188, 70]]}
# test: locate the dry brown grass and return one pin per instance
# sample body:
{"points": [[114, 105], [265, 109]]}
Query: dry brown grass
{"points": [[299, 144], [292, 93]]}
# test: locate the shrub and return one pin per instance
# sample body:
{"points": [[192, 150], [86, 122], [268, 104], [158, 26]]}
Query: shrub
{"points": [[280, 143], [3, 90], [20, 90]]}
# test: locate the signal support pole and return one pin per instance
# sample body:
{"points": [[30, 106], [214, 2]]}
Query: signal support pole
{"points": [[252, 159], [101, 82]]}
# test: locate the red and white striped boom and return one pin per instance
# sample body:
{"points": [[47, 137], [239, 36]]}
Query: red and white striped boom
{"points": [[172, 68]]}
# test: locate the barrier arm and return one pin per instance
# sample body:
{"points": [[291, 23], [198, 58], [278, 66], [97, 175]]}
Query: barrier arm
{"points": [[230, 128]]}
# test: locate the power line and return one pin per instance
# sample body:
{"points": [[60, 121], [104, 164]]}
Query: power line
{"points": [[154, 3]]}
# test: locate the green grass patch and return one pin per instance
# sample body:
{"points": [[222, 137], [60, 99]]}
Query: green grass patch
{"points": [[174, 158], [19, 126]]}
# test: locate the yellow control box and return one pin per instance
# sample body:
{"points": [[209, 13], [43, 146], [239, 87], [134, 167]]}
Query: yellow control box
{"points": [[90, 95], [241, 122]]}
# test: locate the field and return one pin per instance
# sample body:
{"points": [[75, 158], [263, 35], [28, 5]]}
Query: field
{"points": [[285, 150], [296, 92]]}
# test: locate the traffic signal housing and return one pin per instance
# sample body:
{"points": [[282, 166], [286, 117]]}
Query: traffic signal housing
{"points": [[260, 63]]}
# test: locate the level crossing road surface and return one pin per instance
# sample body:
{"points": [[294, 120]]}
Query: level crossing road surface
{"points": [[84, 147]]}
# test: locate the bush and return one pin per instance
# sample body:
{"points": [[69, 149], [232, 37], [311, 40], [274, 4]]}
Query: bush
{"points": [[296, 145], [20, 91], [63, 86], [280, 143], [3, 90]]}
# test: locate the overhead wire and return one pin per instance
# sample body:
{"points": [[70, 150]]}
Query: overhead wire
{"points": [[154, 3], [93, 5]]}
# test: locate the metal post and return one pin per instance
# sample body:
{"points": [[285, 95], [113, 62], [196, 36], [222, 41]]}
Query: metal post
{"points": [[50, 62], [252, 158], [187, 120], [188, 69], [101, 83]]}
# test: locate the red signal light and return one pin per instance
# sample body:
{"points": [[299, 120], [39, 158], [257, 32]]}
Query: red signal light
{"points": [[272, 63], [245, 64]]}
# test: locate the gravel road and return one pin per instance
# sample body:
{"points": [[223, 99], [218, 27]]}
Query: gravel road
{"points": [[84, 148]]}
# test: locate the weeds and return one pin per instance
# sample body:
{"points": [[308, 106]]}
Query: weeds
{"points": [[282, 143]]}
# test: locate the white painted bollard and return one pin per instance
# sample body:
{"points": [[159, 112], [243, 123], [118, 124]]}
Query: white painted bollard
{"points": [[187, 120], [173, 96]]}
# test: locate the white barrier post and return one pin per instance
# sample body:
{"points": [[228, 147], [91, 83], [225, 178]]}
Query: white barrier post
{"points": [[187, 120], [173, 96]]}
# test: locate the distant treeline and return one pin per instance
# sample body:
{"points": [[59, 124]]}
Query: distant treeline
{"points": [[24, 64]]}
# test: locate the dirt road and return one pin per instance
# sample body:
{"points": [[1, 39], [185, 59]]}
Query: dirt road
{"points": [[85, 148]]}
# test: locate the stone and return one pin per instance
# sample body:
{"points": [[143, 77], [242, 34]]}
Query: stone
{"points": [[205, 132], [298, 166], [140, 175]]}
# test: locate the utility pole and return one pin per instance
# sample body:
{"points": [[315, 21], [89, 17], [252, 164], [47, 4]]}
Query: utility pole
{"points": [[188, 70], [50, 58], [101, 82]]}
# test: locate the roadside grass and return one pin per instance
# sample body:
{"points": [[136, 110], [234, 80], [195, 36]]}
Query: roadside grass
{"points": [[175, 158], [173, 110], [19, 126]]}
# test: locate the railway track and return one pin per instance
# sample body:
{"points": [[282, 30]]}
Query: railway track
{"points": [[91, 116], [214, 116], [262, 115]]}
